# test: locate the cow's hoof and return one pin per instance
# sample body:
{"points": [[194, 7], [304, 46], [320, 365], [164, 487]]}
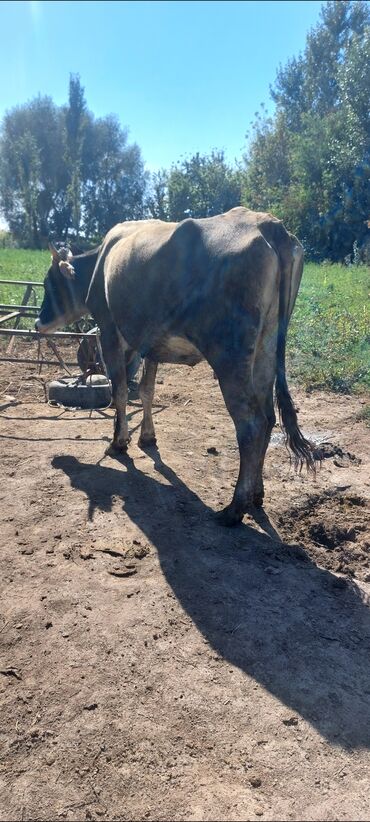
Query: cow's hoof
{"points": [[145, 442], [229, 516], [115, 449], [258, 499]]}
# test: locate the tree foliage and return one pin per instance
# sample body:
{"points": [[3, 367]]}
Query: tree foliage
{"points": [[201, 186], [310, 163], [115, 181], [76, 123], [65, 174]]}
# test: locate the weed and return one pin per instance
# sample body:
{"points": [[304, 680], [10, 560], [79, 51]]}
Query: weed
{"points": [[364, 415]]}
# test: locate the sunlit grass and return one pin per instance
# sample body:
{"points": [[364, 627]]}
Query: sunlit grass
{"points": [[20, 264], [329, 336]]}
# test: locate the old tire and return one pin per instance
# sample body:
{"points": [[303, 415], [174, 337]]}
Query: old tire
{"points": [[73, 394]]}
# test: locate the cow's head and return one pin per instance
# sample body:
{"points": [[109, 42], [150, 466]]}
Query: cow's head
{"points": [[62, 303]]}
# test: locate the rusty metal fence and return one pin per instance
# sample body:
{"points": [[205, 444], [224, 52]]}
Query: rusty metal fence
{"points": [[30, 310]]}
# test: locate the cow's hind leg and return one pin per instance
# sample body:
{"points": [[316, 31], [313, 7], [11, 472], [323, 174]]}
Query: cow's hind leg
{"points": [[251, 427], [259, 491], [264, 371], [113, 349], [146, 391]]}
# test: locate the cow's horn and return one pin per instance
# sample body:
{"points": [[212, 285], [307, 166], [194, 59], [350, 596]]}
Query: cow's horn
{"points": [[54, 252]]}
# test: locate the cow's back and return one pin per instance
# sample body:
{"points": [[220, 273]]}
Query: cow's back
{"points": [[167, 278]]}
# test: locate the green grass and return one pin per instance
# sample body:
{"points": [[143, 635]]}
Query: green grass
{"points": [[329, 334], [20, 264]]}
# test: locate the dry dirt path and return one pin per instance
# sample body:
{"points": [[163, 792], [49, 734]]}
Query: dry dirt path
{"points": [[154, 665]]}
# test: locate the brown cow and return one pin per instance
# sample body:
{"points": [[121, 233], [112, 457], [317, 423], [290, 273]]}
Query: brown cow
{"points": [[221, 288]]}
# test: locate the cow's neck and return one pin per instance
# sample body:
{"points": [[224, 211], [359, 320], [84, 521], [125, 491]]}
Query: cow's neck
{"points": [[84, 265]]}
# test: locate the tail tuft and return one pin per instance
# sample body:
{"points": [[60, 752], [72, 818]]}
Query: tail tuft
{"points": [[303, 451]]}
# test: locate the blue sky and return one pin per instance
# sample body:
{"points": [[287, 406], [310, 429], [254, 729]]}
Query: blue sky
{"points": [[183, 76]]}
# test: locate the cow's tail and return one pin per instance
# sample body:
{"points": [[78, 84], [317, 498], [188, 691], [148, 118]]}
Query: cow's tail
{"points": [[302, 449]]}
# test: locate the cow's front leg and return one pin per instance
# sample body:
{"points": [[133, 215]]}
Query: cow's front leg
{"points": [[121, 436], [146, 391], [113, 349], [251, 428]]}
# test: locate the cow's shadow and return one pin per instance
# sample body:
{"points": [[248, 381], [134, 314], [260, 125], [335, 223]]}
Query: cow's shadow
{"points": [[264, 606]]}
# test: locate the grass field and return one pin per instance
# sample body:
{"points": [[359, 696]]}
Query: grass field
{"points": [[329, 335], [20, 264]]}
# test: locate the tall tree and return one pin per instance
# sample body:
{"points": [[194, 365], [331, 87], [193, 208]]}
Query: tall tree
{"points": [[310, 162], [201, 187], [310, 83], [65, 174], [32, 169], [76, 119], [157, 196], [115, 179]]}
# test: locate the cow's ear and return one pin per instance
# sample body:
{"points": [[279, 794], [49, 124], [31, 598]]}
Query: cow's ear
{"points": [[67, 269]]}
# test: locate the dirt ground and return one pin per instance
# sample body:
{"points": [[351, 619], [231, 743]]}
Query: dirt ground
{"points": [[154, 665]]}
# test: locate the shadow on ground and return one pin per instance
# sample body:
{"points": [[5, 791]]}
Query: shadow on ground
{"points": [[264, 606]]}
